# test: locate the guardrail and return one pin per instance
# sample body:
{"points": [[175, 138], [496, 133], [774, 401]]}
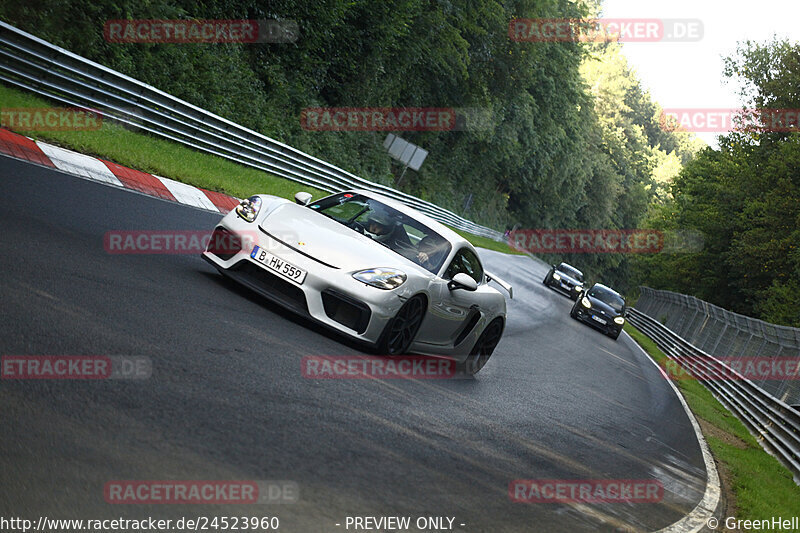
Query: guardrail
{"points": [[725, 334], [775, 423], [33, 64]]}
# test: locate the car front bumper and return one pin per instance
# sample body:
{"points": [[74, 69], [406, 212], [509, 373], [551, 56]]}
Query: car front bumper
{"points": [[328, 295], [566, 288], [585, 316]]}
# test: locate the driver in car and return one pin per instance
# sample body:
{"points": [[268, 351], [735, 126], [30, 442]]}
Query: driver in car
{"points": [[388, 231], [431, 251]]}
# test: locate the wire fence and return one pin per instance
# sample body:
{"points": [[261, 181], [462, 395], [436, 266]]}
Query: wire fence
{"points": [[724, 334], [772, 421]]}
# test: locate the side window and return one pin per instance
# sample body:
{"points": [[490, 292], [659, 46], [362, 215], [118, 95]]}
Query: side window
{"points": [[454, 268], [467, 262]]}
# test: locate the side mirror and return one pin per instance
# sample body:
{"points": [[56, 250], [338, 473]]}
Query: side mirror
{"points": [[462, 281], [303, 198]]}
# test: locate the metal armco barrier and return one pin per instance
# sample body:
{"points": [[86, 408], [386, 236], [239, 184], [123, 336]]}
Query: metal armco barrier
{"points": [[33, 64], [776, 424], [725, 334]]}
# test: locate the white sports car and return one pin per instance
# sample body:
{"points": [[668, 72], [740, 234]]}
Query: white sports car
{"points": [[368, 267]]}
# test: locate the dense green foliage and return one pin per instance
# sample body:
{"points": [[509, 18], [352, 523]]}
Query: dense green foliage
{"points": [[572, 142], [745, 200]]}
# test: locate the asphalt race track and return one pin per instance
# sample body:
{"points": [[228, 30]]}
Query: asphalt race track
{"points": [[227, 401]]}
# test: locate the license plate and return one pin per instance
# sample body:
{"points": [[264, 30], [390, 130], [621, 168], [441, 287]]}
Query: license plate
{"points": [[278, 265], [599, 319]]}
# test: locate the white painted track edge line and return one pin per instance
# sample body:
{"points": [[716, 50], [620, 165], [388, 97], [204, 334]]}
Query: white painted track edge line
{"points": [[697, 519]]}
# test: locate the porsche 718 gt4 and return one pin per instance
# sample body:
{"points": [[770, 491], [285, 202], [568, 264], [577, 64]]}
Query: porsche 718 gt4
{"points": [[368, 267]]}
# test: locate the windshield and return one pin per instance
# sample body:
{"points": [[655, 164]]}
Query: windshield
{"points": [[395, 230], [607, 297], [571, 272]]}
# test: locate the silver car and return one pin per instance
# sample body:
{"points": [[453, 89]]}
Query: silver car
{"points": [[368, 267]]}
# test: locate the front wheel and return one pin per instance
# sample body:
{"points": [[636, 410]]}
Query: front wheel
{"points": [[399, 333], [484, 347], [548, 278]]}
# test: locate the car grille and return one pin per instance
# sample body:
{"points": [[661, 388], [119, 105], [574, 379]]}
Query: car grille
{"points": [[345, 310], [279, 289], [224, 243]]}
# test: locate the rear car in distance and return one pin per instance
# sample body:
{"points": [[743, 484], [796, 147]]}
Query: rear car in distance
{"points": [[601, 307], [565, 278], [367, 267]]}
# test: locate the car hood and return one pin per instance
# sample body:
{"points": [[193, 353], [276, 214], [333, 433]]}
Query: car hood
{"points": [[603, 307], [330, 242]]}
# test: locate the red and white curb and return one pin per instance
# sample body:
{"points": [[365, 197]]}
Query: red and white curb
{"points": [[27, 149]]}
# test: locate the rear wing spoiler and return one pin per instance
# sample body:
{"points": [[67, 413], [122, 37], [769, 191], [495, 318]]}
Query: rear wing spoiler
{"points": [[504, 284]]}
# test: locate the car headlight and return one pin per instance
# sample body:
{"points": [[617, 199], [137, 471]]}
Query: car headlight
{"points": [[585, 302], [249, 208], [577, 288], [619, 320], [556, 277], [382, 278]]}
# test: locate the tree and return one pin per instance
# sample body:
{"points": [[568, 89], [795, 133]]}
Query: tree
{"points": [[744, 198]]}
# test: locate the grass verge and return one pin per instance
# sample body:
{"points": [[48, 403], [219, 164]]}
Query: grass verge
{"points": [[761, 487], [485, 242], [165, 158], [157, 156]]}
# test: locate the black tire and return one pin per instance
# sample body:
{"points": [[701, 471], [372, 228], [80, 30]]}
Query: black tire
{"points": [[573, 313], [484, 347], [399, 333], [548, 279]]}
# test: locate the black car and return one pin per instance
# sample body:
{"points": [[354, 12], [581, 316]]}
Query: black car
{"points": [[601, 307], [566, 279]]}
